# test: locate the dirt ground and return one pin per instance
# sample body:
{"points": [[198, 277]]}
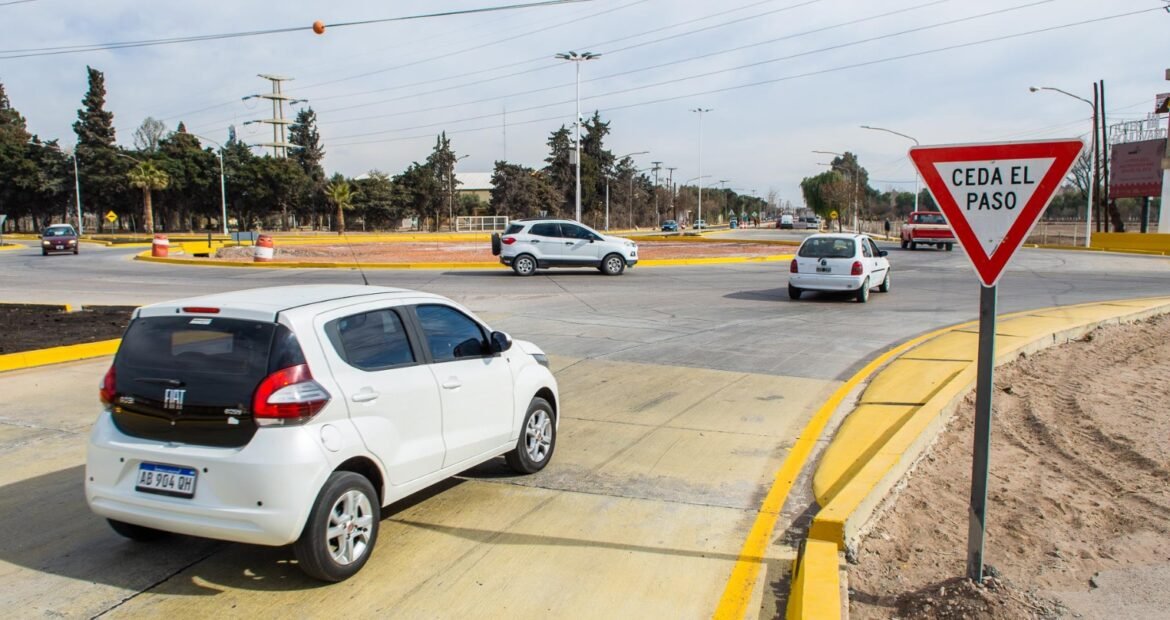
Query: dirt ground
{"points": [[29, 327], [1078, 499], [481, 252]]}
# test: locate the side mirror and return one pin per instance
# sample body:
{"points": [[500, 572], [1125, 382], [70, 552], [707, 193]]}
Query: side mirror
{"points": [[883, 253], [501, 342]]}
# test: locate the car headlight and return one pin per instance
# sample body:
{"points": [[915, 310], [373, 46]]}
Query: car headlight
{"points": [[541, 359], [46, 243], [72, 242], [631, 244]]}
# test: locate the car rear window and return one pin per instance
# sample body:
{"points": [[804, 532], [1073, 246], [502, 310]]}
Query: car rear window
{"points": [[828, 247], [546, 230], [930, 218], [513, 229], [191, 379]]}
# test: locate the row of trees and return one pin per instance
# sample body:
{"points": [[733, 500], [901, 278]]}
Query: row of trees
{"points": [[169, 181], [844, 188]]}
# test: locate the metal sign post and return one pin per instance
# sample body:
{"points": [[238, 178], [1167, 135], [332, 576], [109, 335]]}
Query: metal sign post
{"points": [[991, 195], [981, 452]]}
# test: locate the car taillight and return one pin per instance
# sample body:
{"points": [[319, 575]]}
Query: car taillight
{"points": [[289, 395], [508, 240], [856, 268], [108, 386], [792, 267]]}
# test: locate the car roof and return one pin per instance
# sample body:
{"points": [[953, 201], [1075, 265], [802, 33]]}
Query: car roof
{"points": [[266, 303], [840, 235]]}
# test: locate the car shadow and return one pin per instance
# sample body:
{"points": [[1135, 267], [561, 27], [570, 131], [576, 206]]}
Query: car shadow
{"points": [[59, 535], [781, 294]]}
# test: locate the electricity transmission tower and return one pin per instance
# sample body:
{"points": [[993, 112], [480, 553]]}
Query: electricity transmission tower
{"points": [[279, 123]]}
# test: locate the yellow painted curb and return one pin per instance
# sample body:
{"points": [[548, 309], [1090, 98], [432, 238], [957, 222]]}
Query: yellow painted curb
{"points": [[12, 246], [672, 262], [870, 461], [816, 583], [57, 355]]}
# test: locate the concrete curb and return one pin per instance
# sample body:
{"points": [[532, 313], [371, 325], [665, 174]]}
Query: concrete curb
{"points": [[671, 262], [57, 355], [12, 246], [899, 415]]}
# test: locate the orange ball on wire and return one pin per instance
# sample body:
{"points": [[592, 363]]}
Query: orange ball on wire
{"points": [[319, 27]]}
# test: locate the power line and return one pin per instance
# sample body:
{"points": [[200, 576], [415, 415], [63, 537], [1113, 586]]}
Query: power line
{"points": [[676, 80], [781, 79], [73, 49], [15, 2]]}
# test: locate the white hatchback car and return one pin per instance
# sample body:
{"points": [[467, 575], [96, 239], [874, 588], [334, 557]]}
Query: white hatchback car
{"points": [[839, 262], [528, 245], [294, 414]]}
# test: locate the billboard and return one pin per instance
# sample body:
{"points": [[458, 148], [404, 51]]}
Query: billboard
{"points": [[1136, 169]]}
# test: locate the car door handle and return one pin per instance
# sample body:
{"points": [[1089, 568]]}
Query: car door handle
{"points": [[570, 242], [536, 241], [365, 396], [452, 384]]}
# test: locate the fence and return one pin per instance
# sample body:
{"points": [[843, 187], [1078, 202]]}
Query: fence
{"points": [[481, 223]]}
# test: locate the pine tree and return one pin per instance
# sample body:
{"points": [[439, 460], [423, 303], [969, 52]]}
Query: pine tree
{"points": [[442, 164], [13, 129], [560, 170], [95, 126], [308, 152], [103, 173]]}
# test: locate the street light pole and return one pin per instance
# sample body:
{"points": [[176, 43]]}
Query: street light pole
{"points": [[1093, 181], [222, 183], [577, 59], [76, 181], [657, 216], [700, 112], [916, 190], [630, 200]]}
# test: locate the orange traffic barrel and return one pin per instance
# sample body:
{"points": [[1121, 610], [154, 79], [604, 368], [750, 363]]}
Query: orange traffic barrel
{"points": [[263, 252], [160, 246]]}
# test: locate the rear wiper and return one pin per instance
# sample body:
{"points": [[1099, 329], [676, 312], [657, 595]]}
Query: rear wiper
{"points": [[161, 380]]}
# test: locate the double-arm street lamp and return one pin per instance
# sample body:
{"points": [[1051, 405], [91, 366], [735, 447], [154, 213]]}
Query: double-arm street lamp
{"points": [[700, 187], [916, 143], [577, 59], [1093, 181], [76, 181]]}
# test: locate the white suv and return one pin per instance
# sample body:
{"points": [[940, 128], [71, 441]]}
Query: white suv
{"points": [[528, 245], [294, 414]]}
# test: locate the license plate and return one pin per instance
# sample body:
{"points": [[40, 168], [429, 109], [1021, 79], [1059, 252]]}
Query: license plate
{"points": [[60, 247], [824, 269], [166, 480]]}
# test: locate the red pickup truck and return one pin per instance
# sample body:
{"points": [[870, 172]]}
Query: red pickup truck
{"points": [[927, 228]]}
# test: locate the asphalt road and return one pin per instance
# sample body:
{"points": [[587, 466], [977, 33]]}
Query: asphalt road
{"points": [[682, 387]]}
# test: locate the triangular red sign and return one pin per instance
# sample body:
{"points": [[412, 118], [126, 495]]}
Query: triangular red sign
{"points": [[993, 194]]}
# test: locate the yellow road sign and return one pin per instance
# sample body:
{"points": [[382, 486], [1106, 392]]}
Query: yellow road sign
{"points": [[832, 215], [111, 217]]}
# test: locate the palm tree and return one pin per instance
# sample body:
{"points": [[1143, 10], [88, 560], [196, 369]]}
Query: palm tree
{"points": [[340, 194], [148, 177]]}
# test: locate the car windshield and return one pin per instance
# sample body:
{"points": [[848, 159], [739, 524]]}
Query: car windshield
{"points": [[828, 247], [59, 231], [929, 218]]}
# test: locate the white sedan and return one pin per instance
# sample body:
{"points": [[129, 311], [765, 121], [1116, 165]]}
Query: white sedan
{"points": [[839, 262]]}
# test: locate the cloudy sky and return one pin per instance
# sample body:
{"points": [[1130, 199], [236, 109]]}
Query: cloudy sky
{"points": [[782, 77]]}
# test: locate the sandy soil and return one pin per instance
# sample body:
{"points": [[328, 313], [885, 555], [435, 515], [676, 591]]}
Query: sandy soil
{"points": [[481, 252], [1079, 495]]}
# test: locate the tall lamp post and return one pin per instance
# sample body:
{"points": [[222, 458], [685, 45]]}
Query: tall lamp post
{"points": [[76, 181], [700, 188], [577, 59], [657, 216], [222, 183], [701, 112], [915, 140], [1093, 182]]}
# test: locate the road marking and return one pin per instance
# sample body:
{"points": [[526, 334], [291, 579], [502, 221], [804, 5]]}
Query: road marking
{"points": [[738, 592]]}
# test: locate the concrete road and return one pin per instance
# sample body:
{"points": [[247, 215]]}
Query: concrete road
{"points": [[683, 389]]}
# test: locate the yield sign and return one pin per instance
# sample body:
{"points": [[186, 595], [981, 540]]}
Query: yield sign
{"points": [[993, 194]]}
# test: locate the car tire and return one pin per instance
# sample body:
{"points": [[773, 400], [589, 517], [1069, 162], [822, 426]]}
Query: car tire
{"points": [[950, 246], [913, 246], [497, 245], [524, 265], [348, 507], [538, 439], [904, 244], [793, 292], [885, 286], [863, 292], [613, 265], [138, 533], [75, 252]]}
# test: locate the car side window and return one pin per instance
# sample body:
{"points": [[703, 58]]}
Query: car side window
{"points": [[874, 248], [576, 232], [371, 340], [546, 230], [450, 334], [865, 250]]}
